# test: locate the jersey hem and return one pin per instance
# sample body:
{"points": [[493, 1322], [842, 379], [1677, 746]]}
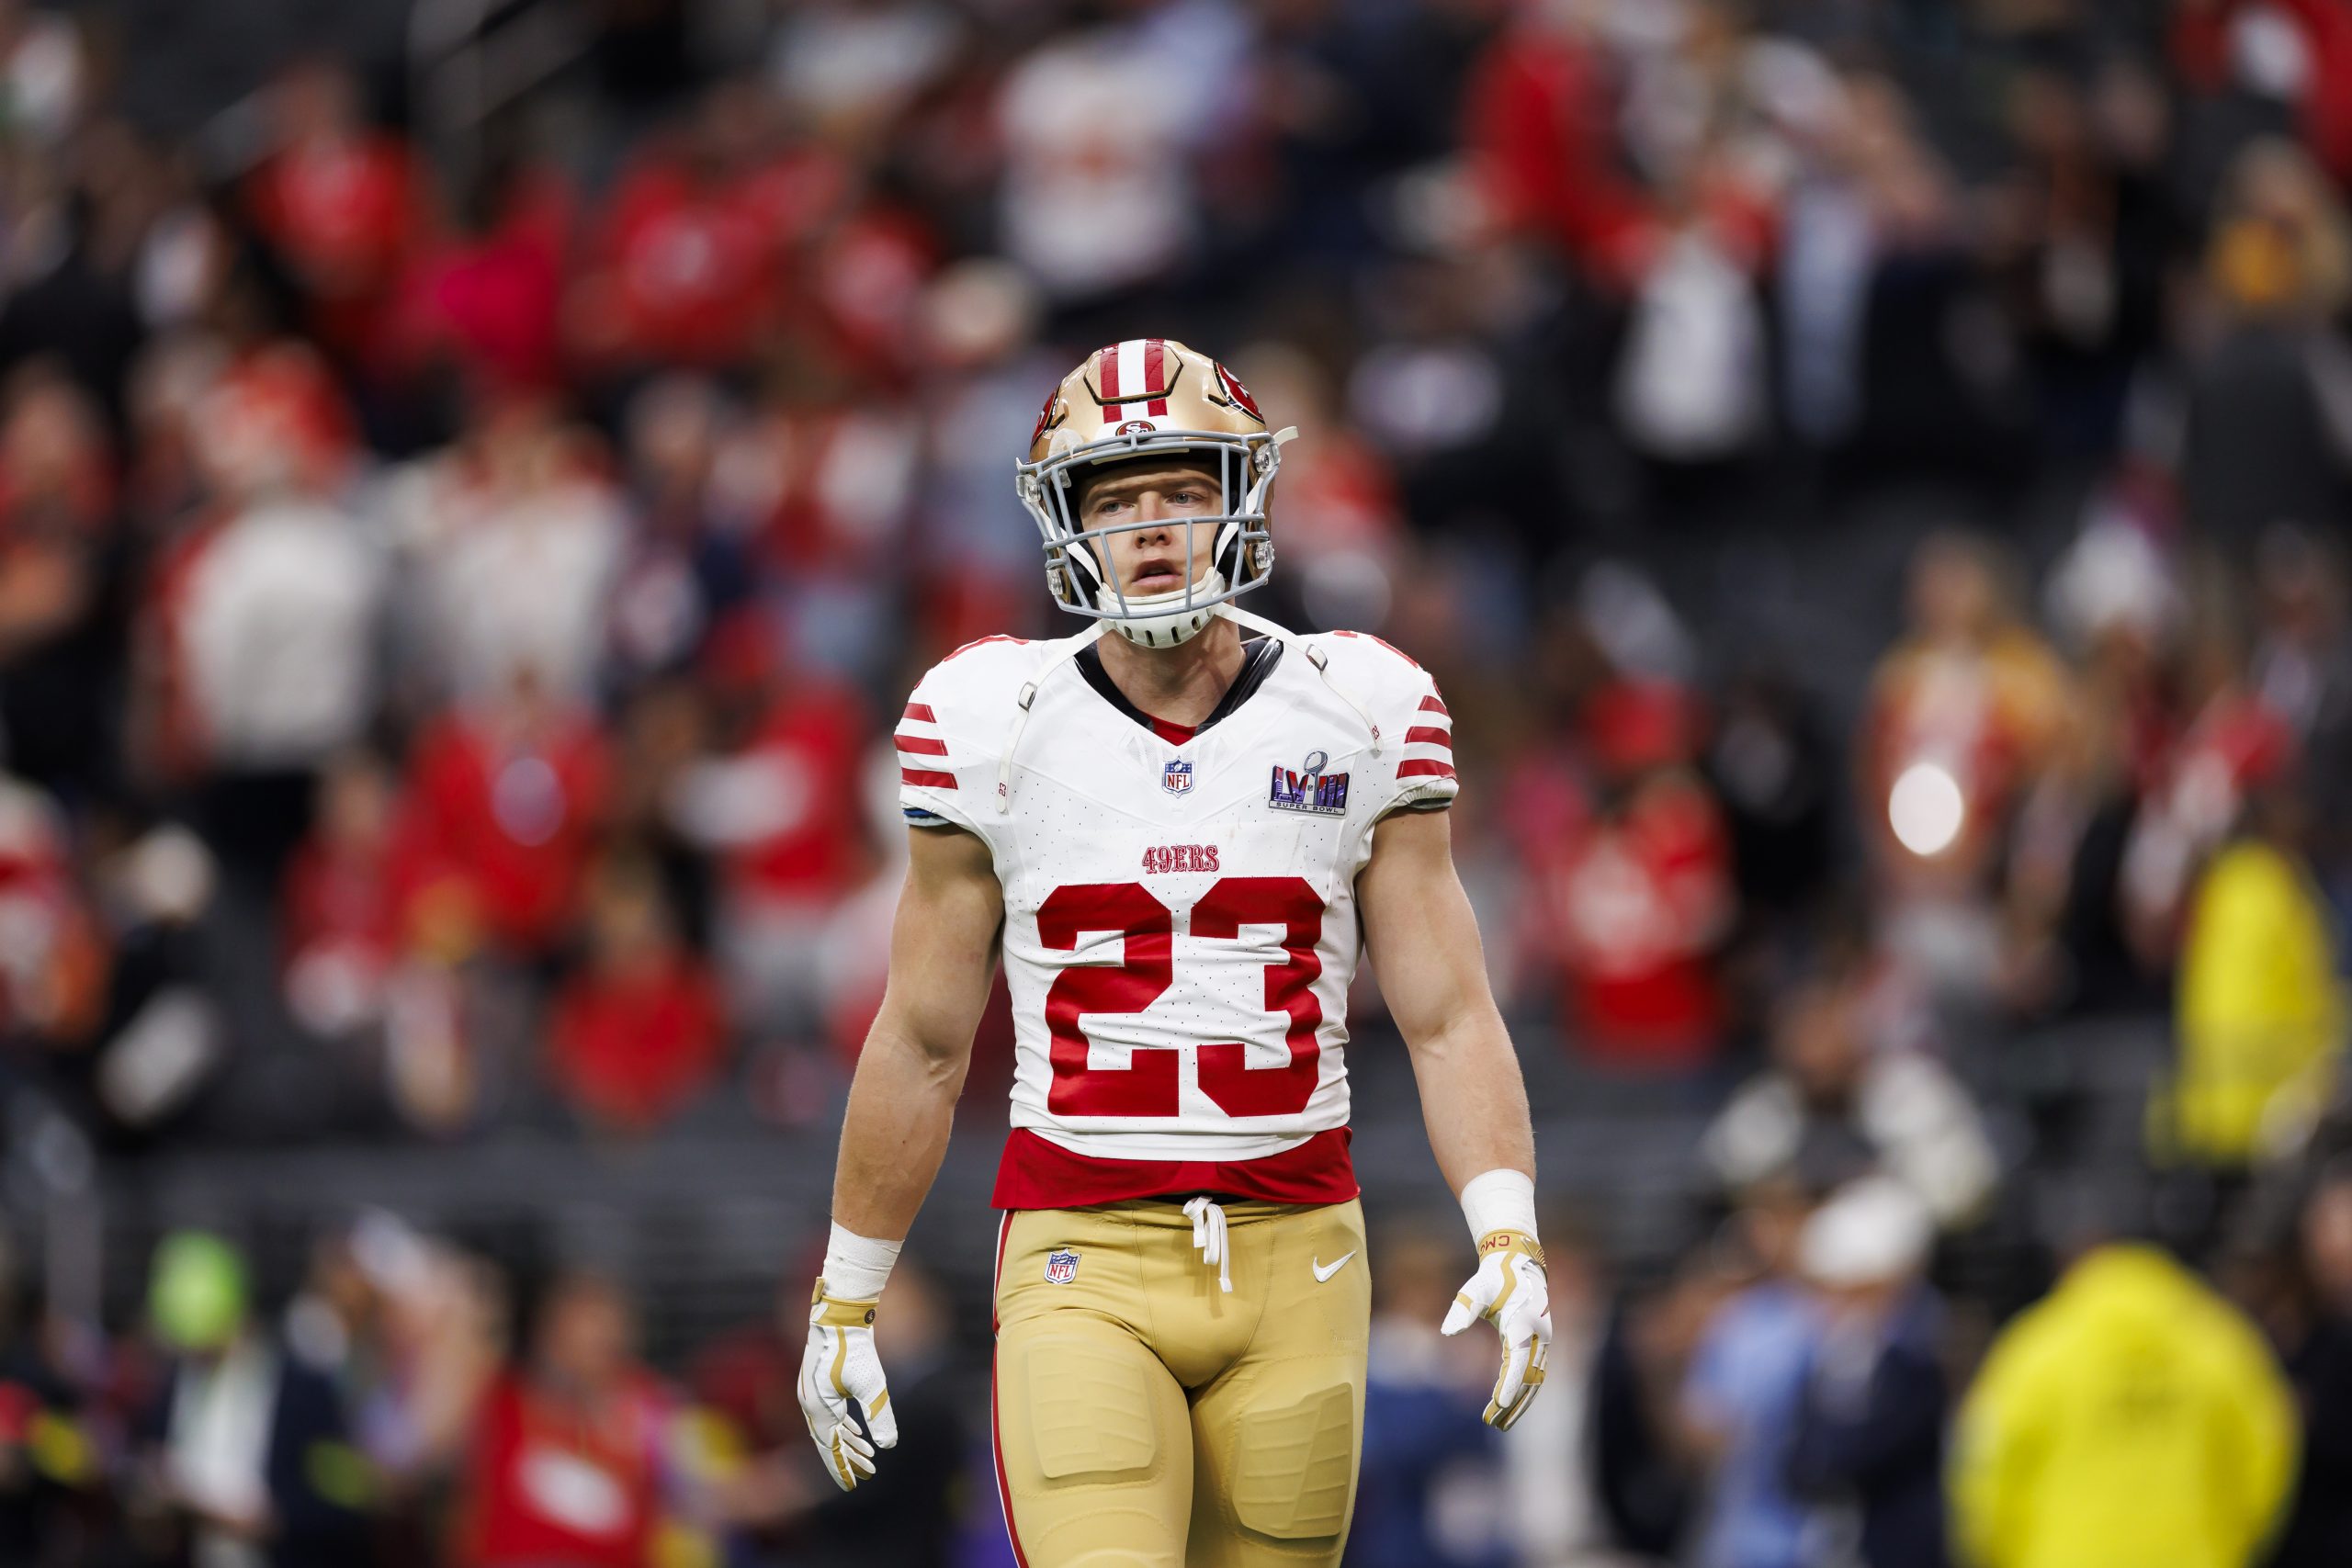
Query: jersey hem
{"points": [[1038, 1174]]}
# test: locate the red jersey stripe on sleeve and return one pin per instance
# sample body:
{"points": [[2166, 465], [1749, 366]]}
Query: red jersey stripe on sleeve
{"points": [[921, 713], [1424, 767], [931, 779], [921, 746], [1436, 705], [1428, 735]]}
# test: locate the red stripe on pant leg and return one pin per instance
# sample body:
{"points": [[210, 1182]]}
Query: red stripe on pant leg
{"points": [[1154, 357], [996, 1423]]}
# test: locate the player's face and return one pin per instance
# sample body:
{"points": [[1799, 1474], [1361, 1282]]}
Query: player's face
{"points": [[1161, 556]]}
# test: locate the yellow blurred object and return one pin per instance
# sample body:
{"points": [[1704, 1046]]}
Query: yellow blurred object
{"points": [[677, 1544], [60, 1449], [2261, 1014], [340, 1474], [2133, 1417], [2255, 264]]}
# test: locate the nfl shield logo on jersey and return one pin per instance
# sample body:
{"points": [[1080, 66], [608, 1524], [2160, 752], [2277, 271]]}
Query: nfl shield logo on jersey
{"points": [[1177, 778], [1061, 1268]]}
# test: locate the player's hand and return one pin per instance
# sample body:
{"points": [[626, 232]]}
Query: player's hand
{"points": [[842, 1392], [1511, 1291]]}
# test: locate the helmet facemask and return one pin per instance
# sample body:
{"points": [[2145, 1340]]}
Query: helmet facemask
{"points": [[1178, 405], [1079, 566]]}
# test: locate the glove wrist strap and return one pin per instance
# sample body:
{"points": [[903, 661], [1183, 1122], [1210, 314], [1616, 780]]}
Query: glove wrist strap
{"points": [[829, 1310]]}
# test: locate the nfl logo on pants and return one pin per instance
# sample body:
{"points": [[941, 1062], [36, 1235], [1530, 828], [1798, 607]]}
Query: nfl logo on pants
{"points": [[1061, 1268], [1176, 778]]}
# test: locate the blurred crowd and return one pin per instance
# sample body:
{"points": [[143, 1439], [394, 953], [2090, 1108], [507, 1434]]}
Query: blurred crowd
{"points": [[1871, 477]]}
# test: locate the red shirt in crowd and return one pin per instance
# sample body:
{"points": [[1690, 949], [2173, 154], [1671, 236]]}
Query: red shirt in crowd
{"points": [[1640, 898], [492, 302], [812, 743], [629, 1044], [551, 1483], [343, 211], [510, 822], [1540, 135], [689, 273]]}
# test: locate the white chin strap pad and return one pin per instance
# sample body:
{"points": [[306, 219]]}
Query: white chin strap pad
{"points": [[1146, 625]]}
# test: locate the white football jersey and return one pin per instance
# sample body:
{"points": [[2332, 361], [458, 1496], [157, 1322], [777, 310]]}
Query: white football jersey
{"points": [[1180, 919]]}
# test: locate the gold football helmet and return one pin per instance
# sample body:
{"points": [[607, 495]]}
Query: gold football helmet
{"points": [[1144, 397]]}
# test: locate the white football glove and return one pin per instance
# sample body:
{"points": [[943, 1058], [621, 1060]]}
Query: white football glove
{"points": [[1511, 1291], [842, 1392]]}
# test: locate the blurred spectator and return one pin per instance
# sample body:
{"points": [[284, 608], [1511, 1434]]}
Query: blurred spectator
{"points": [[683, 265], [2267, 439], [1774, 771], [1964, 713], [50, 1464], [1740, 1402], [250, 1455], [336, 200], [1641, 888], [55, 964], [342, 910], [61, 613], [1836, 1105], [481, 307], [2133, 1417], [1099, 127], [1868, 1449], [2261, 1008], [1430, 1487], [777, 803], [637, 1031], [1642, 1481], [569, 1456], [505, 796], [524, 497], [2316, 1343]]}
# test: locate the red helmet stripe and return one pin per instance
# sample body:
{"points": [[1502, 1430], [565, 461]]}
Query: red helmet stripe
{"points": [[1154, 357], [1109, 358]]}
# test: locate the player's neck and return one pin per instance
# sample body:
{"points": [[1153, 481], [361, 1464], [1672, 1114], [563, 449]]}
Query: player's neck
{"points": [[1182, 684]]}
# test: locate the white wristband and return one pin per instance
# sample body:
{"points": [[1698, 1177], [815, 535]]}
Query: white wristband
{"points": [[857, 1266], [1500, 1201]]}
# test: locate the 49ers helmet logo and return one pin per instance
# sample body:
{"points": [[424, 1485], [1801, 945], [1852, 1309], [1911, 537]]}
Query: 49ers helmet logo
{"points": [[1237, 394]]}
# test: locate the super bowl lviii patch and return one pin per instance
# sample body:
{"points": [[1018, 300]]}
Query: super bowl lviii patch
{"points": [[1310, 788], [1061, 1268]]}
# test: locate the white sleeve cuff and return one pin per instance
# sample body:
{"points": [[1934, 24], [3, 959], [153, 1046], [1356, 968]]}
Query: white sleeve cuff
{"points": [[856, 1266], [1500, 1201]]}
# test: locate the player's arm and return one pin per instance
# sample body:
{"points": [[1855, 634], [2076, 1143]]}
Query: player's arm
{"points": [[1424, 945], [902, 1103], [942, 958]]}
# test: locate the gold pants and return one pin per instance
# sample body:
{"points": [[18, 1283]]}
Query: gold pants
{"points": [[1147, 1419]]}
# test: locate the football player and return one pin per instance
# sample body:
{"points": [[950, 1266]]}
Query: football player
{"points": [[1176, 830]]}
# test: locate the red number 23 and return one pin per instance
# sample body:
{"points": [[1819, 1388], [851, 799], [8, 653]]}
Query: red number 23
{"points": [[1146, 1086]]}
